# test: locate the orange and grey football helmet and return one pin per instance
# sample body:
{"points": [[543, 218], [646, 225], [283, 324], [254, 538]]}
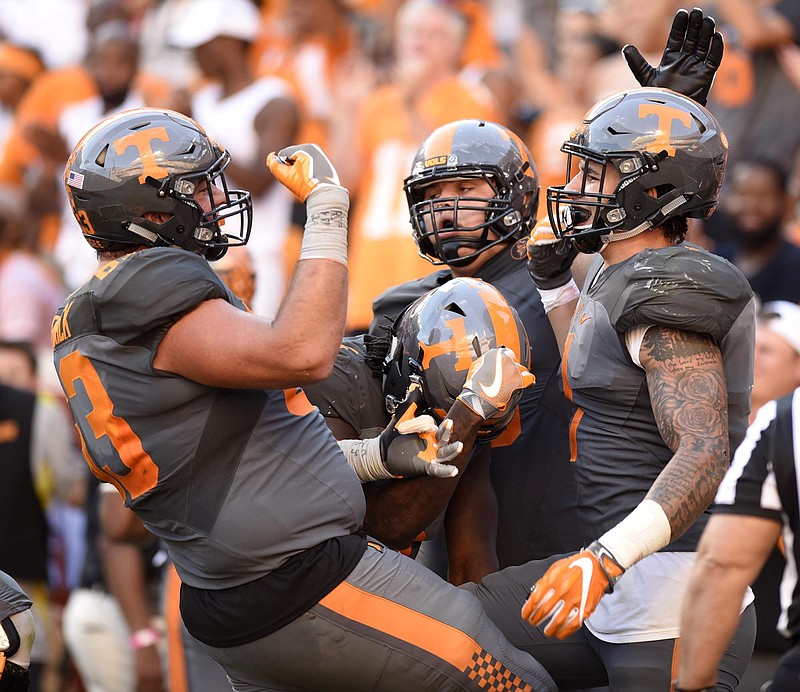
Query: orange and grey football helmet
{"points": [[153, 160], [436, 339], [669, 151], [472, 149]]}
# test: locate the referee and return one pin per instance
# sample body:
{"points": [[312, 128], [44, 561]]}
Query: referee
{"points": [[756, 504]]}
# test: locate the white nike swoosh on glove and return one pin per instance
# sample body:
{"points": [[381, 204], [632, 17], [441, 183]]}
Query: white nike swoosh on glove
{"points": [[587, 567], [494, 388]]}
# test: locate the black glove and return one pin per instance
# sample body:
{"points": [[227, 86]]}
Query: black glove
{"points": [[691, 57], [549, 259], [414, 445]]}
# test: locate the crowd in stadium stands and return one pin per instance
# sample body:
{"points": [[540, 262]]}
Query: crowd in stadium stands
{"points": [[369, 80]]}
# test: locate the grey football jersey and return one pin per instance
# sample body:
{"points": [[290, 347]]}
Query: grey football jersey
{"points": [[618, 450], [351, 392], [235, 481], [12, 598]]}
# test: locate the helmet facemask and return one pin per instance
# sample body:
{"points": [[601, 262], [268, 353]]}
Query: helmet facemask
{"points": [[227, 223], [500, 218], [592, 218]]}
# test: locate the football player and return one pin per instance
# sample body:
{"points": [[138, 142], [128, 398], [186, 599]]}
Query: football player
{"points": [[17, 632], [472, 196], [430, 347], [191, 406], [658, 360]]}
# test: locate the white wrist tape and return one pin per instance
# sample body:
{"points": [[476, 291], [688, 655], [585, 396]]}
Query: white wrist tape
{"points": [[555, 297], [325, 235], [364, 457], [644, 531]]}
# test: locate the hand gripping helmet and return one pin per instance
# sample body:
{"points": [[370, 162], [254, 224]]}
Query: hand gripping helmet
{"points": [[472, 149], [670, 154], [153, 160], [436, 339]]}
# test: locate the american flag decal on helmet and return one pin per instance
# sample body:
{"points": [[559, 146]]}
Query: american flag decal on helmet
{"points": [[75, 179]]}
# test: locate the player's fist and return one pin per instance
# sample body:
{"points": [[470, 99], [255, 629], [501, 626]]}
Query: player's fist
{"points": [[302, 168], [414, 445], [691, 57], [493, 381], [570, 590], [549, 258]]}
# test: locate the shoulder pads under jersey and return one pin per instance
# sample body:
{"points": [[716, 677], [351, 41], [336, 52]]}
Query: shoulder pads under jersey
{"points": [[682, 287]]}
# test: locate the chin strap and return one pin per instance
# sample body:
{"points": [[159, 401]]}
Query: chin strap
{"points": [[655, 220]]}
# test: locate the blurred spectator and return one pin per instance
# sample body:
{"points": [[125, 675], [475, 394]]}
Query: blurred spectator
{"points": [[753, 98], [237, 271], [31, 289], [644, 24], [249, 117], [18, 68], [561, 95], [153, 21], [315, 39], [376, 135], [24, 172], [112, 64], [749, 229], [42, 466], [44, 25], [98, 627]]}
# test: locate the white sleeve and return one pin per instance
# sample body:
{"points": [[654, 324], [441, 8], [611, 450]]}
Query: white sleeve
{"points": [[634, 339]]}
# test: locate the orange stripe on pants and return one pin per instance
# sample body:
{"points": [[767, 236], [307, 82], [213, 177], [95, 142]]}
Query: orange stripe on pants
{"points": [[442, 640]]}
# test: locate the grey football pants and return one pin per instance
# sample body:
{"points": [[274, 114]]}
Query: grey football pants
{"points": [[393, 626], [584, 661]]}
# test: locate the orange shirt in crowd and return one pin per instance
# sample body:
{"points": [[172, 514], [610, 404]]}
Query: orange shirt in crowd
{"points": [[382, 251]]}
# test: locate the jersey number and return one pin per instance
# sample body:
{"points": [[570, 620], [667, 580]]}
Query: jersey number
{"points": [[142, 472]]}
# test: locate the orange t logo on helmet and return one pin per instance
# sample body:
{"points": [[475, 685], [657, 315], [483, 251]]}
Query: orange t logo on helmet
{"points": [[663, 133], [141, 140]]}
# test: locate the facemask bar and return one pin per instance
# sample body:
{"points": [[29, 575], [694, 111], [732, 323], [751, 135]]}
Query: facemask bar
{"points": [[236, 208], [427, 226], [592, 217]]}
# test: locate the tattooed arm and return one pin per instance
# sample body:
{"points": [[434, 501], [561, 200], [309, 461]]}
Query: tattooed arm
{"points": [[690, 403]]}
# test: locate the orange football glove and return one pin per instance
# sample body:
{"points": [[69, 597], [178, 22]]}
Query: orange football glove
{"points": [[570, 590], [302, 168], [492, 381]]}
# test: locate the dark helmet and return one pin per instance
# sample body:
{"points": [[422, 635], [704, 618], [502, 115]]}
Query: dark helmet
{"points": [[438, 337], [152, 160], [472, 149], [669, 151]]}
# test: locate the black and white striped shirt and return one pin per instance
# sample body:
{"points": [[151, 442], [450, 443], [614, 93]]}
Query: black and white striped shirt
{"points": [[762, 481]]}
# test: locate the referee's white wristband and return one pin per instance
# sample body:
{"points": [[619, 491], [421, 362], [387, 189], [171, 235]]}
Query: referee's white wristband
{"points": [[644, 531], [556, 297]]}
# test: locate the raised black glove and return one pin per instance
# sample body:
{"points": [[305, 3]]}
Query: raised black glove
{"points": [[691, 57], [549, 259]]}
